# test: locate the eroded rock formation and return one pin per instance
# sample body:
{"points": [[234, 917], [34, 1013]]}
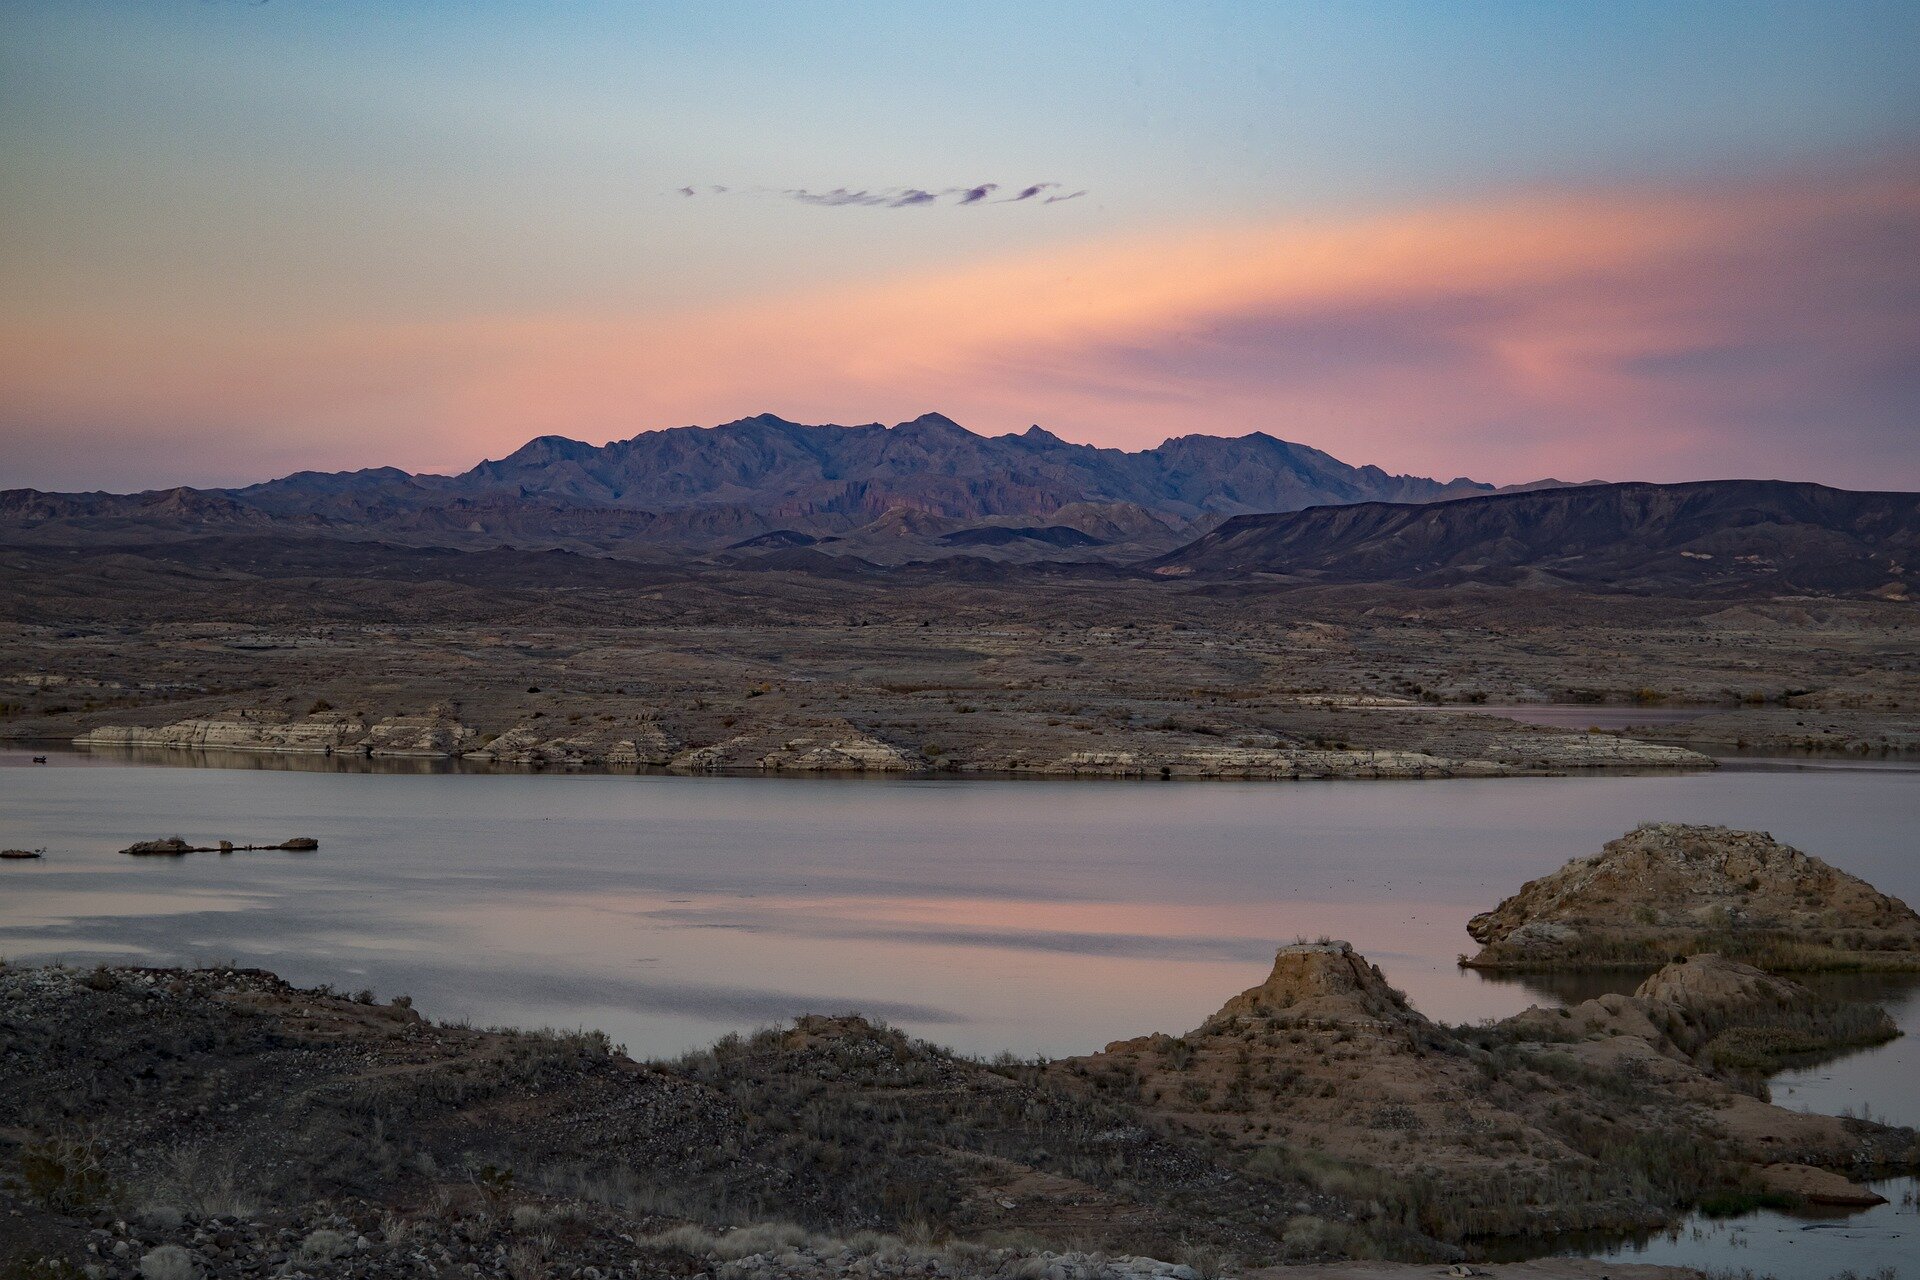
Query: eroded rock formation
{"points": [[1553, 1120], [1668, 889]]}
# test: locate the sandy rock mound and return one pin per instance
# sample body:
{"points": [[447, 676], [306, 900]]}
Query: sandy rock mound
{"points": [[1324, 1070], [1320, 982], [1706, 981], [1818, 1186], [1610, 1114], [1666, 888]]}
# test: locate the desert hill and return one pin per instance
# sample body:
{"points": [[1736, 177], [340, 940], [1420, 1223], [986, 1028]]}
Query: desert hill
{"points": [[1717, 537]]}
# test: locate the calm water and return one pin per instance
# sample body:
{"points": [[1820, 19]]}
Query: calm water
{"points": [[1798, 1246], [1042, 917]]}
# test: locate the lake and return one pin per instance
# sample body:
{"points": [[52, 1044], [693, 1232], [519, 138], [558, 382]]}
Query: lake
{"points": [[1037, 916]]}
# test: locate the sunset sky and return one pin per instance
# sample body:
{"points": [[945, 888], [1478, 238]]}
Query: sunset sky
{"points": [[1507, 240]]}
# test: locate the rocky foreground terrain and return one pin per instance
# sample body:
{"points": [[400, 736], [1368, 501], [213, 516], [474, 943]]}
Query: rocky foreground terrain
{"points": [[1669, 888], [219, 1122]]}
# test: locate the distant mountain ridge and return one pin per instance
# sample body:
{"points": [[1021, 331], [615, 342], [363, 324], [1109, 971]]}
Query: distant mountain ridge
{"points": [[931, 464], [1716, 537], [707, 488]]}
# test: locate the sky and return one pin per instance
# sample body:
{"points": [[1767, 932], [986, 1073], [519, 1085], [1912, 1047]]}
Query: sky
{"points": [[1507, 239]]}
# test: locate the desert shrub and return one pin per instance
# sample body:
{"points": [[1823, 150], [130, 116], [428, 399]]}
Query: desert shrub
{"points": [[731, 1246], [323, 1245], [169, 1262], [1309, 1236], [66, 1173], [196, 1181]]}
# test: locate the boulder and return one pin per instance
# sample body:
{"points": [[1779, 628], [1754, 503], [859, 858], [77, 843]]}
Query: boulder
{"points": [[170, 847], [1818, 1186]]}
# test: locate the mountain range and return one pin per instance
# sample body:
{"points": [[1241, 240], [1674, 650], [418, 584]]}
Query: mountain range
{"points": [[907, 487], [767, 495]]}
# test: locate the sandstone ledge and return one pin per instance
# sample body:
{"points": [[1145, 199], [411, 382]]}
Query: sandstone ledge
{"points": [[838, 746]]}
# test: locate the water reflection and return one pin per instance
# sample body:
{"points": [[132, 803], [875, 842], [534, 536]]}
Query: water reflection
{"points": [[1571, 988], [1878, 1083], [1797, 1246], [1032, 915]]}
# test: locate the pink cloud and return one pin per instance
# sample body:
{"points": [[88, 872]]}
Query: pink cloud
{"points": [[1757, 328]]}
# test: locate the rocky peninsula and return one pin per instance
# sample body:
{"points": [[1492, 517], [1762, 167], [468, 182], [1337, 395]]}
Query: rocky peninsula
{"points": [[1668, 889], [1605, 1116], [220, 1122]]}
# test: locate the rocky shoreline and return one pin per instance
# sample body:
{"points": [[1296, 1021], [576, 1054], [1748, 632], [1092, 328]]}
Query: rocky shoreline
{"points": [[234, 1125], [840, 747]]}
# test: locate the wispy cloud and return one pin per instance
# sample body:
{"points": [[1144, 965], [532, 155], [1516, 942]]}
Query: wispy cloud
{"points": [[890, 197], [841, 196]]}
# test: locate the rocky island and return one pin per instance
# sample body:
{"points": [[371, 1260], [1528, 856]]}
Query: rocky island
{"points": [[1667, 889], [175, 847]]}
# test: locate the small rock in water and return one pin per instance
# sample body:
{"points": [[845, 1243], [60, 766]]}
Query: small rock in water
{"points": [[170, 847]]}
